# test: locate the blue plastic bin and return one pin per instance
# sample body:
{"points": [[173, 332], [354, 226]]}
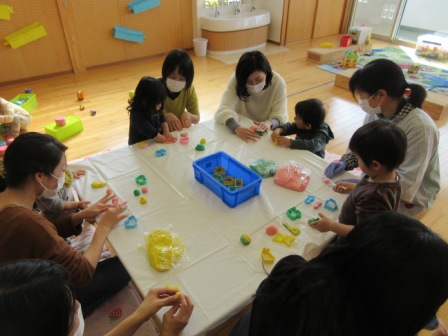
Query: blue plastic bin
{"points": [[204, 170]]}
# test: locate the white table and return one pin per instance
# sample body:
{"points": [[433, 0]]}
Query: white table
{"points": [[218, 272]]}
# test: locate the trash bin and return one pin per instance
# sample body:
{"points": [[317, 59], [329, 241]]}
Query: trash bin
{"points": [[200, 46]]}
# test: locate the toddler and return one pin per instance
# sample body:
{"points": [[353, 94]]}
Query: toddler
{"points": [[379, 147], [312, 133], [13, 118], [147, 120]]}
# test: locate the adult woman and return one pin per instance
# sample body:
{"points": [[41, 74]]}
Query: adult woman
{"points": [[181, 105], [36, 299], [384, 279], [34, 165], [254, 91], [384, 93]]}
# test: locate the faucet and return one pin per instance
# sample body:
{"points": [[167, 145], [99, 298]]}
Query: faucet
{"points": [[237, 8], [252, 8], [216, 9]]}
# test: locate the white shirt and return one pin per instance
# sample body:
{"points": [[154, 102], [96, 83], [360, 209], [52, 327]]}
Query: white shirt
{"points": [[266, 105]]}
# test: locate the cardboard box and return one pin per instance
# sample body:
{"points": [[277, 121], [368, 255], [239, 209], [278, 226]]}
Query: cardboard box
{"points": [[360, 35]]}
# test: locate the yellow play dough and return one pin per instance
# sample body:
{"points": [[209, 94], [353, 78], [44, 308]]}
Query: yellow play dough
{"points": [[164, 249]]}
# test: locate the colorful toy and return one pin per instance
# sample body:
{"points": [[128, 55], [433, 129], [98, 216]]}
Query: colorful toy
{"points": [[80, 95], [81, 107], [350, 59], [73, 126], [317, 205], [284, 239], [184, 141], [238, 183], [245, 239], [271, 230], [312, 220], [160, 152], [131, 94], [203, 141], [345, 41], [98, 184], [145, 190], [92, 113], [228, 181], [131, 222], [218, 177], [309, 199], [60, 121], [172, 287], [293, 229], [143, 200], [293, 213], [219, 170], [414, 69], [141, 180], [266, 256], [136, 192], [143, 144], [265, 168], [330, 204], [128, 34], [163, 249], [28, 90], [327, 45], [260, 133], [200, 147]]}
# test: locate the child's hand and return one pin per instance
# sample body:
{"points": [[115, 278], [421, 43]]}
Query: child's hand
{"points": [[324, 224], [263, 126], [344, 187], [169, 137], [283, 141], [78, 173], [186, 119], [275, 134], [83, 204]]}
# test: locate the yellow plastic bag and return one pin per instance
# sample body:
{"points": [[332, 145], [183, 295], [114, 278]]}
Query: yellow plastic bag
{"points": [[164, 249]]}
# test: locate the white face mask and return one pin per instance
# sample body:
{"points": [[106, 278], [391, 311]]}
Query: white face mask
{"points": [[51, 192], [251, 89], [364, 103], [80, 330], [174, 85]]}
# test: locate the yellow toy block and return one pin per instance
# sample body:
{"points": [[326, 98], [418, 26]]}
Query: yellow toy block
{"points": [[25, 35], [73, 126]]}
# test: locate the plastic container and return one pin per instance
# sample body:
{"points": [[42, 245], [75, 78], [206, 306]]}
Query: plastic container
{"points": [[204, 173], [200, 46], [73, 126], [26, 101]]}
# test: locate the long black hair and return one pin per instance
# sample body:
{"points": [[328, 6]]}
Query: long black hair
{"points": [[148, 94], [178, 58]]}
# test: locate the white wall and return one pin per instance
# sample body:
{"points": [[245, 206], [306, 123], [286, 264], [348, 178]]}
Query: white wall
{"points": [[430, 15], [276, 9]]}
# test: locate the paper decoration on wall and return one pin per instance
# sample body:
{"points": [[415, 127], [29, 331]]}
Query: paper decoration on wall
{"points": [[5, 12], [139, 6], [25, 35], [128, 34]]}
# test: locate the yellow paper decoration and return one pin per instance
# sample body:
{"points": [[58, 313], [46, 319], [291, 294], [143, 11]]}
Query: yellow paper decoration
{"points": [[25, 35], [5, 12]]}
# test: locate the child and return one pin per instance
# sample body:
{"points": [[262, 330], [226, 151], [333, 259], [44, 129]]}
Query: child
{"points": [[63, 202], [312, 133], [379, 147], [145, 111], [13, 118]]}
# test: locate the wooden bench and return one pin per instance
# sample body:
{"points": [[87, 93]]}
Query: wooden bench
{"points": [[327, 55], [435, 104]]}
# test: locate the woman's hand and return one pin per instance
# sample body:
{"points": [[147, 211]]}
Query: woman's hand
{"points": [[156, 299], [185, 119], [176, 319], [112, 216], [246, 134], [263, 126], [173, 122]]}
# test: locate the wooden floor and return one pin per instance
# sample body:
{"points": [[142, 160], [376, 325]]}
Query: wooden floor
{"points": [[106, 90]]}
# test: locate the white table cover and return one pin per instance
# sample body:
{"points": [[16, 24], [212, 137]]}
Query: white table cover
{"points": [[218, 272]]}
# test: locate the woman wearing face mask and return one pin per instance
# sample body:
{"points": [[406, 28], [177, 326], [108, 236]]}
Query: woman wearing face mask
{"points": [[181, 104], [383, 93], [36, 299], [256, 92], [34, 165]]}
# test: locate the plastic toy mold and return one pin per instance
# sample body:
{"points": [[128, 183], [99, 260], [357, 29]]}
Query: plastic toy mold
{"points": [[309, 199], [317, 205], [266, 256], [293, 213], [161, 152], [284, 239], [140, 180], [131, 222], [330, 204], [219, 170], [291, 228]]}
